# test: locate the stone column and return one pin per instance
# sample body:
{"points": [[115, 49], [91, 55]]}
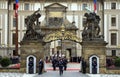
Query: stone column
{"points": [[97, 48], [34, 48]]}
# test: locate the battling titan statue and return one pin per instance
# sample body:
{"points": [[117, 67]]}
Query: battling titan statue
{"points": [[33, 26], [91, 26]]}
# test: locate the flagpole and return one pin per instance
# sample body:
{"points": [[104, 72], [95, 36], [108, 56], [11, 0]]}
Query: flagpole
{"points": [[8, 27], [103, 17], [16, 42], [16, 39]]}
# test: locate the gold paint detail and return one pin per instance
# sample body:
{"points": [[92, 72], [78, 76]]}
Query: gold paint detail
{"points": [[55, 14], [62, 35]]}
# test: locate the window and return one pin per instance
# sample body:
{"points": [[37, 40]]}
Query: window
{"points": [[84, 5], [24, 21], [113, 52], [113, 5], [113, 38], [14, 22], [14, 52], [26, 7], [113, 21], [13, 40], [59, 43], [52, 50]]}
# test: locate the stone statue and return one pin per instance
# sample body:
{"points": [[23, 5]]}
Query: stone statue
{"points": [[91, 27], [33, 26]]}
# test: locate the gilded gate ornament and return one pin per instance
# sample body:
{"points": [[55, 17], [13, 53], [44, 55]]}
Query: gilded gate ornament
{"points": [[62, 35]]}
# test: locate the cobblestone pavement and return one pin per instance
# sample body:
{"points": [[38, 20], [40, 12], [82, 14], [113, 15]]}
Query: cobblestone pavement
{"points": [[56, 74]]}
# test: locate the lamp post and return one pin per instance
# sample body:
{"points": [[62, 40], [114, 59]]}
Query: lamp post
{"points": [[62, 36]]}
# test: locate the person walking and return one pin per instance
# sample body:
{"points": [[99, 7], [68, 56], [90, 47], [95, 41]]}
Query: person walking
{"points": [[54, 63], [61, 67], [65, 63], [41, 65]]}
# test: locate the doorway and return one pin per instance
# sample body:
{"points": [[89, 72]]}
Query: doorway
{"points": [[69, 54]]}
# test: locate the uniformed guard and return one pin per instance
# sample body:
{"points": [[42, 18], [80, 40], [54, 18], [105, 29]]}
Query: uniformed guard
{"points": [[41, 65], [65, 63], [30, 64], [61, 67], [54, 63], [94, 67], [84, 66]]}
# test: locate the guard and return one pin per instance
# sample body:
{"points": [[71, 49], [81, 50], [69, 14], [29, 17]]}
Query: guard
{"points": [[30, 64], [61, 67], [41, 65], [84, 66]]}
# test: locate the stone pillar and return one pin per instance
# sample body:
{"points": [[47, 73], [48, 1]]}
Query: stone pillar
{"points": [[34, 48], [97, 48]]}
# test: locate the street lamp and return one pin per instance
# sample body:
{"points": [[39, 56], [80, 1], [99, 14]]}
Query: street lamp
{"points": [[62, 36]]}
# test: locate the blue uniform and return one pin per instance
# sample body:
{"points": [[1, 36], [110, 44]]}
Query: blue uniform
{"points": [[61, 67], [41, 65]]}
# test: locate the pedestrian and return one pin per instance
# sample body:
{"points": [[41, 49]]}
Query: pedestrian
{"points": [[41, 65], [84, 66], [61, 67]]}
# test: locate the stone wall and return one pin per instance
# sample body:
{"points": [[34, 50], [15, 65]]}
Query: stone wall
{"points": [[98, 48], [9, 70], [34, 48], [114, 71]]}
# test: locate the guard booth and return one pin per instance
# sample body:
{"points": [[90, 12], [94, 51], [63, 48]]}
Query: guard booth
{"points": [[31, 64], [94, 64]]}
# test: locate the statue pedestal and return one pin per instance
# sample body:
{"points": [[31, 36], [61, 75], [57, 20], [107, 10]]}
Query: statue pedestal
{"points": [[31, 49], [94, 49]]}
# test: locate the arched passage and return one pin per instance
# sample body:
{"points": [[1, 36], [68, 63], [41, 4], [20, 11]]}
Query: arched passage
{"points": [[63, 35]]}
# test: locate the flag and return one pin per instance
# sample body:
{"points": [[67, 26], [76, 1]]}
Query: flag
{"points": [[95, 6], [16, 7]]}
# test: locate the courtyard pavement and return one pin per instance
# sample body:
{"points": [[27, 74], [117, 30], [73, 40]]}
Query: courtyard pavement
{"points": [[72, 71], [56, 74]]}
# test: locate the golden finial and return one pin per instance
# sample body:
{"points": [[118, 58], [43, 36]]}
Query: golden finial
{"points": [[62, 28]]}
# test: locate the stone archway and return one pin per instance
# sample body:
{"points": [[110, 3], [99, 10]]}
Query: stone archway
{"points": [[62, 35]]}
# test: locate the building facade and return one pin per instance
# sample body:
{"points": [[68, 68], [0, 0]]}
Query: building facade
{"points": [[75, 12]]}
